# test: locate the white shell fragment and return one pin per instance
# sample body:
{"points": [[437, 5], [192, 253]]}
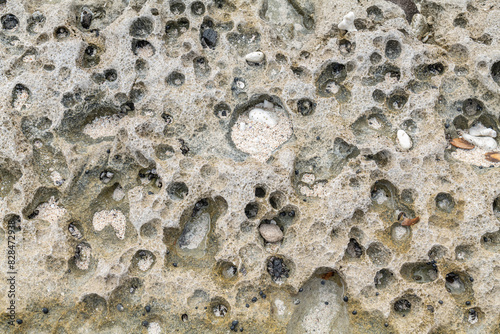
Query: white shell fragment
{"points": [[480, 130], [268, 105], [262, 116], [348, 22], [255, 57], [485, 143], [404, 140]]}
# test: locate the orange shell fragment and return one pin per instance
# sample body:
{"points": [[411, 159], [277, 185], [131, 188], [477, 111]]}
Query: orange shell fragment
{"points": [[410, 221], [492, 156], [461, 143]]}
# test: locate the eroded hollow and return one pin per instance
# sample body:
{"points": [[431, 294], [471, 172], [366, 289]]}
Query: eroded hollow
{"points": [[445, 202], [495, 72], [142, 262], [354, 249], [218, 308], [392, 49], [177, 190], [141, 27], [402, 306], [419, 272], [252, 210], [260, 191], [496, 207], [491, 241], [472, 107], [226, 270], [277, 200], [329, 81], [379, 254], [260, 126], [321, 298], [278, 269], [384, 278], [454, 283]]}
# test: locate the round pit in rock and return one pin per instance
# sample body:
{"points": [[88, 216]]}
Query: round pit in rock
{"points": [[260, 127]]}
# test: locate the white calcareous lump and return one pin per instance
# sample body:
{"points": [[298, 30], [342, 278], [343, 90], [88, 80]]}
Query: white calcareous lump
{"points": [[404, 140], [262, 116], [255, 57]]}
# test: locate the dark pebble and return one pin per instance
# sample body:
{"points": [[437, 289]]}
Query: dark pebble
{"points": [[471, 279], [235, 322], [300, 290], [145, 323], [376, 293], [467, 303], [326, 303], [174, 264], [232, 328], [323, 282], [386, 324], [148, 308], [19, 321], [346, 299], [440, 302], [247, 305], [45, 310], [241, 329], [209, 37], [354, 312], [254, 299]]}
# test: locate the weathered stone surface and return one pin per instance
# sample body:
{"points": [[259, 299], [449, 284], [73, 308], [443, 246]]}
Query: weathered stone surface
{"points": [[145, 146]]}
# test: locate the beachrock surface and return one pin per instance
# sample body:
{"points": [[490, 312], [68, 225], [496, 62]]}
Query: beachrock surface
{"points": [[143, 143]]}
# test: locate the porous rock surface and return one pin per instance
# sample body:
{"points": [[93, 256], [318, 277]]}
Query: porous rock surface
{"points": [[130, 173]]}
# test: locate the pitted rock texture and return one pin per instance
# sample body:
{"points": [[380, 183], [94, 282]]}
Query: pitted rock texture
{"points": [[137, 175]]}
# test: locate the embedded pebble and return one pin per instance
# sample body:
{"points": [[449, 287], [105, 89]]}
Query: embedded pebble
{"points": [[255, 57], [271, 232]]}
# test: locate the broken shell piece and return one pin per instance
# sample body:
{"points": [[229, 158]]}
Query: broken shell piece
{"points": [[492, 156], [348, 22], [255, 57], [461, 143], [486, 143], [410, 221], [404, 140], [264, 117], [480, 130], [268, 105]]}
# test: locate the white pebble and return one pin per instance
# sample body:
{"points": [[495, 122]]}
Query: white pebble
{"points": [[348, 22], [262, 116], [480, 130], [254, 57], [404, 140], [485, 143]]}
